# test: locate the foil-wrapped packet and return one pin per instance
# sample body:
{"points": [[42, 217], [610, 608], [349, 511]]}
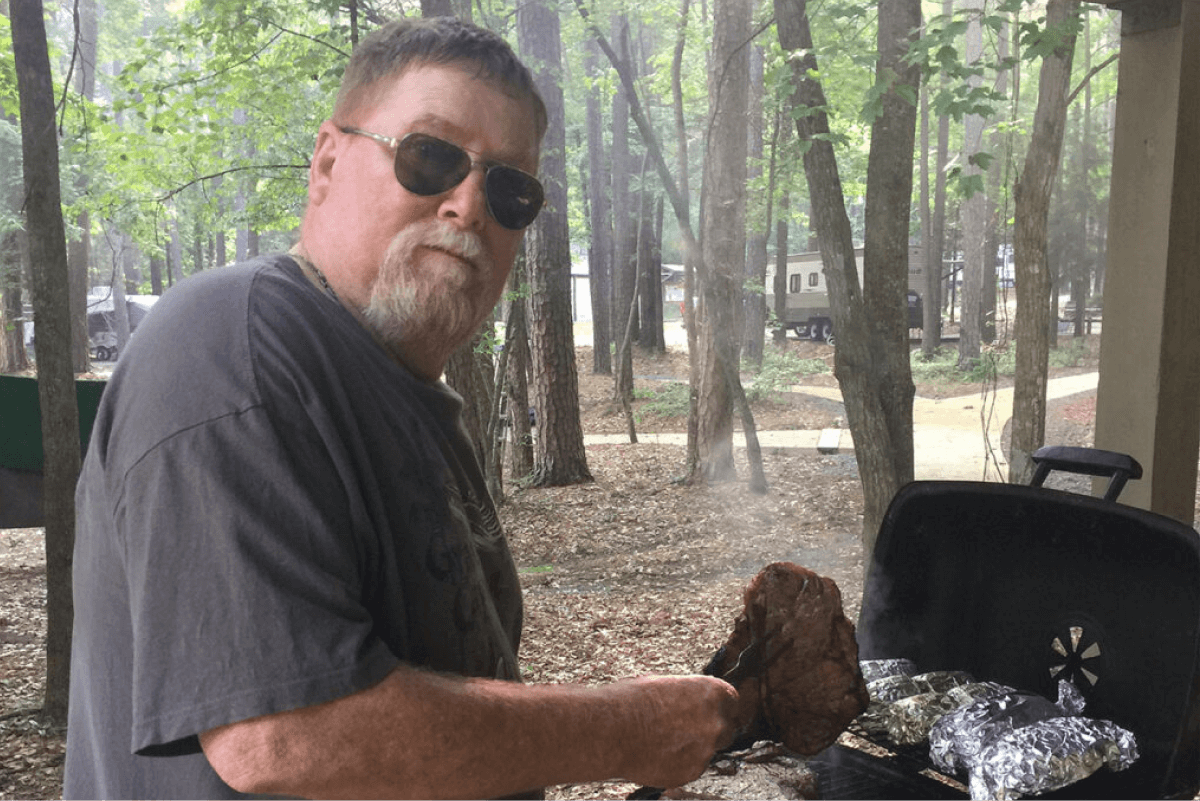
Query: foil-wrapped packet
{"points": [[883, 691], [892, 688], [1070, 700], [957, 739], [1049, 755], [941, 681], [909, 720], [875, 669], [967, 693]]}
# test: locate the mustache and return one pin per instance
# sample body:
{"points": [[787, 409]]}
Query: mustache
{"points": [[439, 235]]}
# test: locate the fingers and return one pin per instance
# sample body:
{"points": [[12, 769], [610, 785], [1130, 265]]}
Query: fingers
{"points": [[684, 721]]}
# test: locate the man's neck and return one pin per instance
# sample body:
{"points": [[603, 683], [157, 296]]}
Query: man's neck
{"points": [[427, 369]]}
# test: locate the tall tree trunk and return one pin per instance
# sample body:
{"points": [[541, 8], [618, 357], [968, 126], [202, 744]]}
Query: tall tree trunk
{"points": [[56, 380], [650, 310], [692, 456], [885, 259], [600, 254], [757, 481], [470, 371], [871, 358], [12, 327], [723, 220], [934, 258], [560, 455], [1032, 198], [974, 208], [516, 341], [624, 264], [997, 225], [79, 250], [13, 357], [933, 220], [156, 274], [754, 290], [780, 281]]}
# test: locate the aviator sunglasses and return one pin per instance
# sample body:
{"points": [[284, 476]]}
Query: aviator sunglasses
{"points": [[426, 165]]}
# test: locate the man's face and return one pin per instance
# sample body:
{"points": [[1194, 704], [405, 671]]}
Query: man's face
{"points": [[426, 269]]}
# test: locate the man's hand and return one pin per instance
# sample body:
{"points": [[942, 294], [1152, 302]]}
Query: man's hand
{"points": [[684, 720]]}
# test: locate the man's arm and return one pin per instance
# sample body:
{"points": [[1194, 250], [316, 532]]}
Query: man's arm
{"points": [[418, 734]]}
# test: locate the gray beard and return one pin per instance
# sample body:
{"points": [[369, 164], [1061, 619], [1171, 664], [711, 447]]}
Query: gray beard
{"points": [[413, 313]]}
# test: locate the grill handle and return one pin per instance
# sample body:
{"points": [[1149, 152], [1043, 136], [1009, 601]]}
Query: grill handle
{"points": [[1119, 467]]}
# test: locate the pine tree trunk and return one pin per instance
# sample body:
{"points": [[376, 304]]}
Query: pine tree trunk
{"points": [[56, 380], [1032, 198], [600, 217], [754, 301], [516, 341], [624, 264], [723, 217], [560, 456], [871, 358]]}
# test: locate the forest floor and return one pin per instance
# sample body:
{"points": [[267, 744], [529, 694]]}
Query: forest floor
{"points": [[631, 574]]}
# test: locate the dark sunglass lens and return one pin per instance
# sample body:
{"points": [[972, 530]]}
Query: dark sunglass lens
{"points": [[514, 197], [428, 166]]}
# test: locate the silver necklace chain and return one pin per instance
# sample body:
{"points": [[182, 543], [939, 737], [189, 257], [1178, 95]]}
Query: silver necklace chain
{"points": [[307, 265]]}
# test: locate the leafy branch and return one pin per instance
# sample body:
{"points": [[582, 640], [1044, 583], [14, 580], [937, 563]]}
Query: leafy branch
{"points": [[246, 168]]}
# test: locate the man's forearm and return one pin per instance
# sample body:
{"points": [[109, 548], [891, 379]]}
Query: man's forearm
{"points": [[426, 735]]}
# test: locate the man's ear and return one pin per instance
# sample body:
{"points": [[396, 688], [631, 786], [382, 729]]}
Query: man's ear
{"points": [[325, 153]]}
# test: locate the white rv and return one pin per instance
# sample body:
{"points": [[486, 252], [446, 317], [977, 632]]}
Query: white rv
{"points": [[808, 310]]}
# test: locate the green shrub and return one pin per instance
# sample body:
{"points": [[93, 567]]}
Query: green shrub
{"points": [[991, 364], [780, 371], [668, 399]]}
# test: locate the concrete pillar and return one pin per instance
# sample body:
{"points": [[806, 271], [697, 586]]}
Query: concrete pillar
{"points": [[1148, 402]]}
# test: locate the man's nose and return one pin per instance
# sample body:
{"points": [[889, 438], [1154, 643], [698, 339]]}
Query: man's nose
{"points": [[467, 202]]}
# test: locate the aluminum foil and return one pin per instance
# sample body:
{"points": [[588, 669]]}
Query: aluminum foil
{"points": [[1070, 700], [892, 688], [883, 691], [941, 681], [875, 669], [909, 720], [958, 738], [1049, 755], [968, 693]]}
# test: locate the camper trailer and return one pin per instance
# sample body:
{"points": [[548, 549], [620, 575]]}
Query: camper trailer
{"points": [[102, 322], [808, 311]]}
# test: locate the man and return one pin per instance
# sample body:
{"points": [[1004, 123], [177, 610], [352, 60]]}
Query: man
{"points": [[290, 578]]}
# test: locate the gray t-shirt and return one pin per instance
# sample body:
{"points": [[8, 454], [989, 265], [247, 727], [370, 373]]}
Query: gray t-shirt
{"points": [[271, 514]]}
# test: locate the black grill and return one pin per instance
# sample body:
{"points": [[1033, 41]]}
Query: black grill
{"points": [[1025, 586]]}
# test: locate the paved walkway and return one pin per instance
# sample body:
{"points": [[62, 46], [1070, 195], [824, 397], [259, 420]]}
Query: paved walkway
{"points": [[948, 433]]}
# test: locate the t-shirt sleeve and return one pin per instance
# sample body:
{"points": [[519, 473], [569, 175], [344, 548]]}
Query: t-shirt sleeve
{"points": [[245, 585]]}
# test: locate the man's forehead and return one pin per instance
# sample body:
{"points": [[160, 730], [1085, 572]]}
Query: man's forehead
{"points": [[414, 102]]}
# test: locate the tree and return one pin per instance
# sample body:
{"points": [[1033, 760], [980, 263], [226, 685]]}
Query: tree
{"points": [[753, 293], [56, 380], [723, 222], [471, 372], [516, 342], [560, 455], [933, 225], [600, 250], [692, 247], [12, 328], [624, 265], [974, 207], [871, 357], [83, 62], [1056, 43]]}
